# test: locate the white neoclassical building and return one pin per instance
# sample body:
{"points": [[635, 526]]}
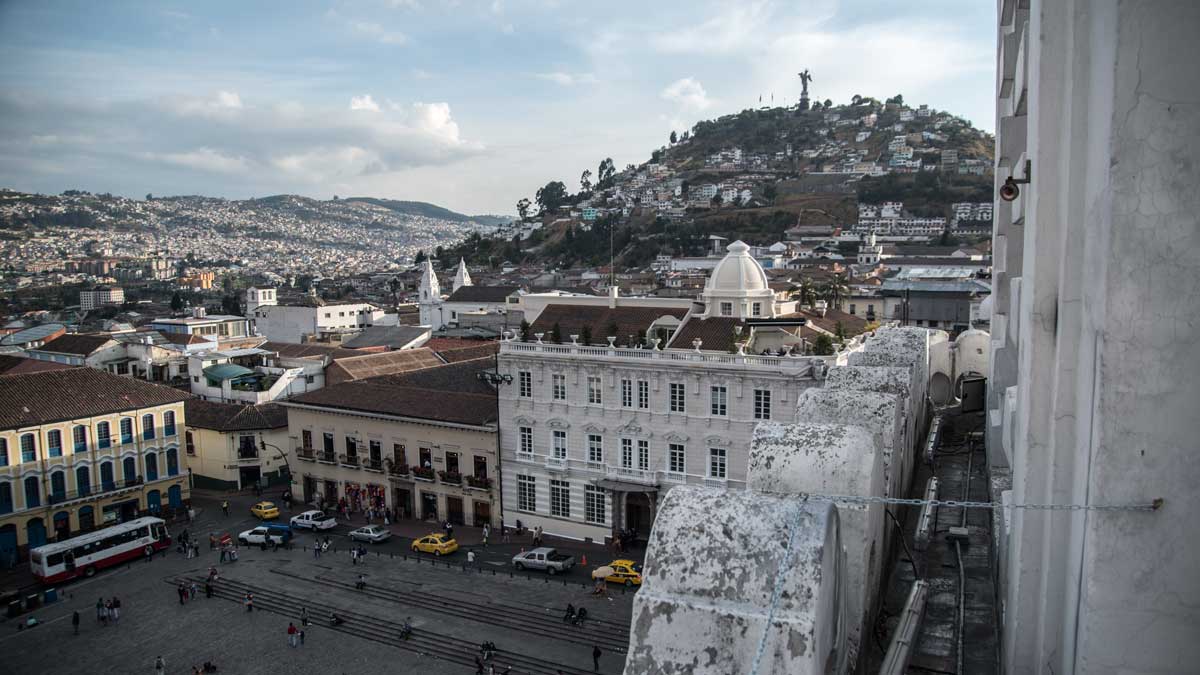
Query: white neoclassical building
{"points": [[641, 395]]}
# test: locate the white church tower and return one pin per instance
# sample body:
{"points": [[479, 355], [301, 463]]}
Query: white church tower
{"points": [[869, 252], [462, 277], [431, 298]]}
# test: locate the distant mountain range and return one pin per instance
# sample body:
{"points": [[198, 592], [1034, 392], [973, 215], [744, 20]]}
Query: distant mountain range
{"points": [[430, 211]]}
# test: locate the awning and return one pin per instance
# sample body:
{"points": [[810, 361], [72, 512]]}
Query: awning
{"points": [[624, 486]]}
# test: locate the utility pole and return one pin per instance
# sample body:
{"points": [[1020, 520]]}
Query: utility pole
{"points": [[496, 378]]}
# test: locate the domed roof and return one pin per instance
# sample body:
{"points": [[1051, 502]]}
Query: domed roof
{"points": [[737, 272]]}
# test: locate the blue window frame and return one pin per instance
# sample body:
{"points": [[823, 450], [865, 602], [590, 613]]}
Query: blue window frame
{"points": [[6, 498], [28, 448], [152, 467], [33, 493], [172, 462], [79, 436], [54, 443], [103, 435], [58, 486], [3, 452], [148, 427], [126, 430], [107, 482], [169, 423], [83, 481]]}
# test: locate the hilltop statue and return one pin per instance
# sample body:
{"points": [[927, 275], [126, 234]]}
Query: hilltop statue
{"points": [[805, 78]]}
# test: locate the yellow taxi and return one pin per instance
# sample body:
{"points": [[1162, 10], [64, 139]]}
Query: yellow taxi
{"points": [[265, 510], [626, 572], [437, 544]]}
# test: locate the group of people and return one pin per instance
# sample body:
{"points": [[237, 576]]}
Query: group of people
{"points": [[358, 554], [106, 611], [295, 635], [575, 617], [320, 547], [188, 591], [188, 546]]}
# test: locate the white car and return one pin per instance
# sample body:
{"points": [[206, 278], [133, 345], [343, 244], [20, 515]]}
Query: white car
{"points": [[314, 520], [277, 533], [371, 533]]}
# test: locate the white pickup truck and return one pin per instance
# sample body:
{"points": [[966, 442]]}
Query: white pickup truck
{"points": [[544, 559]]}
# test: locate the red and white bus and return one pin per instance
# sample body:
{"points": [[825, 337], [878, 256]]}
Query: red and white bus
{"points": [[81, 556]]}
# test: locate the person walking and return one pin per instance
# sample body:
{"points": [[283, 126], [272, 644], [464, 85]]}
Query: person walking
{"points": [[100, 616], [362, 583], [115, 611], [208, 589], [182, 593], [160, 666], [249, 602], [212, 541], [470, 558], [596, 658], [75, 621], [225, 507], [193, 591], [486, 532], [292, 637], [304, 616], [353, 555]]}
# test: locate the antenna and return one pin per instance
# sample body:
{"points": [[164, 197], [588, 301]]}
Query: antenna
{"points": [[612, 270]]}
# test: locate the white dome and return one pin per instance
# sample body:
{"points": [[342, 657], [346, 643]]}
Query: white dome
{"points": [[737, 272]]}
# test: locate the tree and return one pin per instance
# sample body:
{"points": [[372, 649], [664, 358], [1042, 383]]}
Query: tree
{"points": [[523, 208], [898, 99], [808, 293], [836, 291], [231, 305], [716, 200], [524, 330], [586, 335], [585, 181], [823, 345], [420, 257], [656, 155], [604, 175], [611, 329], [770, 192], [551, 196], [556, 334], [674, 138], [856, 99], [828, 103], [686, 135], [683, 188], [149, 196], [176, 302], [840, 331]]}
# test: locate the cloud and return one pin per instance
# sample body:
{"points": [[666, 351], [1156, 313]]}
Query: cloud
{"points": [[204, 159], [421, 74], [688, 93], [567, 79], [377, 32], [730, 30], [364, 102]]}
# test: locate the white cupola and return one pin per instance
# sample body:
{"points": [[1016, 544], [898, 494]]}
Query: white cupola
{"points": [[738, 287]]}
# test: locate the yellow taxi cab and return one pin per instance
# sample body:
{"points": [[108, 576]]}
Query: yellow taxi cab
{"points": [[437, 544], [265, 510], [626, 572]]}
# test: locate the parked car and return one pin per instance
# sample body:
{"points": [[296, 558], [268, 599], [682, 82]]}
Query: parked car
{"points": [[544, 559], [265, 510], [437, 544], [626, 572], [280, 534], [314, 520], [371, 533]]}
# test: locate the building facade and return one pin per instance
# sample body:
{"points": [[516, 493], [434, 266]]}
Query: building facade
{"points": [[80, 449], [312, 319], [100, 296], [231, 446]]}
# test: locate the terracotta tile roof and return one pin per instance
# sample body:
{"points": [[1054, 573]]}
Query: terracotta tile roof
{"points": [[183, 338], [851, 324], [452, 350], [296, 351], [58, 395], [396, 337], [363, 366], [448, 393], [571, 320], [17, 365], [482, 293], [233, 416], [80, 344], [715, 332]]}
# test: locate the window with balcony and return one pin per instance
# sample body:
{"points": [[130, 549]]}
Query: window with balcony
{"points": [[560, 498], [169, 423], [643, 455], [28, 448], [83, 481], [594, 506], [762, 404], [481, 467], [676, 458], [327, 443], [6, 498], [126, 430], [425, 457], [33, 493], [594, 394], [54, 443], [151, 467], [560, 444], [559, 386], [375, 453], [526, 493], [626, 393], [306, 438], [129, 470], [526, 435], [720, 401], [103, 435], [678, 398], [626, 453], [107, 482], [595, 449], [525, 384], [147, 427], [247, 447], [716, 463], [452, 462], [351, 447], [643, 400], [399, 454], [172, 462], [58, 487]]}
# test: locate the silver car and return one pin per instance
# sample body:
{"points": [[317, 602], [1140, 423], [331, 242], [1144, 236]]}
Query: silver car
{"points": [[371, 533]]}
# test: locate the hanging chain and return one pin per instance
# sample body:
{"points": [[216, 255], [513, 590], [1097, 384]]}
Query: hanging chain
{"points": [[951, 503]]}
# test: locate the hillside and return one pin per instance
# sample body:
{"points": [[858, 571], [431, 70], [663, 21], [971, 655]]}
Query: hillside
{"points": [[754, 175]]}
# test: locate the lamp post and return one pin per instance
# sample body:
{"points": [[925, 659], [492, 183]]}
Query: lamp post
{"points": [[496, 378], [263, 445]]}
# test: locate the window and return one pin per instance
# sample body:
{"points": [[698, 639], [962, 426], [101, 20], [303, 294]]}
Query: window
{"points": [[6, 498], [147, 427], [481, 470], [452, 462], [676, 458], [720, 401], [54, 443], [852, 308], [559, 386], [425, 457], [169, 423], [33, 496], [28, 448], [172, 462], [103, 435], [756, 309], [626, 453], [644, 455], [151, 467], [525, 384], [560, 498], [58, 486], [526, 493], [375, 449], [596, 448], [106, 476], [328, 442], [643, 394], [716, 463], [593, 384], [726, 309], [626, 393], [126, 430], [399, 456], [678, 398], [351, 446], [129, 468], [3, 452], [560, 444], [526, 434], [79, 437], [83, 481], [762, 404], [593, 505]]}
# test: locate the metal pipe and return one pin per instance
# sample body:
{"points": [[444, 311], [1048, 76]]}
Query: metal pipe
{"points": [[925, 520], [904, 638]]}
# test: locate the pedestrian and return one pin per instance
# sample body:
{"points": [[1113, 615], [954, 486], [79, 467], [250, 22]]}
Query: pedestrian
{"points": [[225, 507], [486, 531], [195, 550], [115, 612], [503, 532], [100, 615], [249, 602], [224, 554], [471, 558], [316, 551], [208, 589], [191, 515], [304, 616], [354, 555], [596, 658], [182, 593], [478, 666], [212, 541], [292, 637], [362, 583], [193, 591], [160, 666], [75, 621], [301, 637]]}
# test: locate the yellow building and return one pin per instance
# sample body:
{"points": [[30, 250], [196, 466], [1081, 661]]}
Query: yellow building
{"points": [[231, 446], [80, 449]]}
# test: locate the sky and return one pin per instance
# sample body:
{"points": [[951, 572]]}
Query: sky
{"points": [[469, 105]]}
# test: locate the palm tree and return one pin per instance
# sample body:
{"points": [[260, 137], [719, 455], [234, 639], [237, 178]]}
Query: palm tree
{"points": [[808, 292], [836, 290]]}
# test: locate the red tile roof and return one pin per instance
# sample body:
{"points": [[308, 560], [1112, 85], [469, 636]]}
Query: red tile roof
{"points": [[600, 320], [58, 395]]}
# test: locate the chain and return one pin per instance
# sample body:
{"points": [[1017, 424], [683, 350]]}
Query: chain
{"points": [[777, 592], [951, 503]]}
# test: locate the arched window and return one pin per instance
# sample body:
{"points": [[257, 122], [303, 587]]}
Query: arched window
{"points": [[169, 423], [103, 435], [28, 448], [172, 462], [148, 427], [79, 436], [54, 443], [33, 495], [3, 452], [83, 481], [151, 466], [126, 430], [129, 468], [6, 498], [58, 486], [107, 482]]}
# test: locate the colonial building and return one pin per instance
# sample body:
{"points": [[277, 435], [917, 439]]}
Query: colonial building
{"points": [[309, 319], [232, 446], [420, 444], [81, 448], [487, 305]]}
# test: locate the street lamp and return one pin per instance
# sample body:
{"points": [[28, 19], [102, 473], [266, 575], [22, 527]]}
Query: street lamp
{"points": [[496, 378], [263, 445]]}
